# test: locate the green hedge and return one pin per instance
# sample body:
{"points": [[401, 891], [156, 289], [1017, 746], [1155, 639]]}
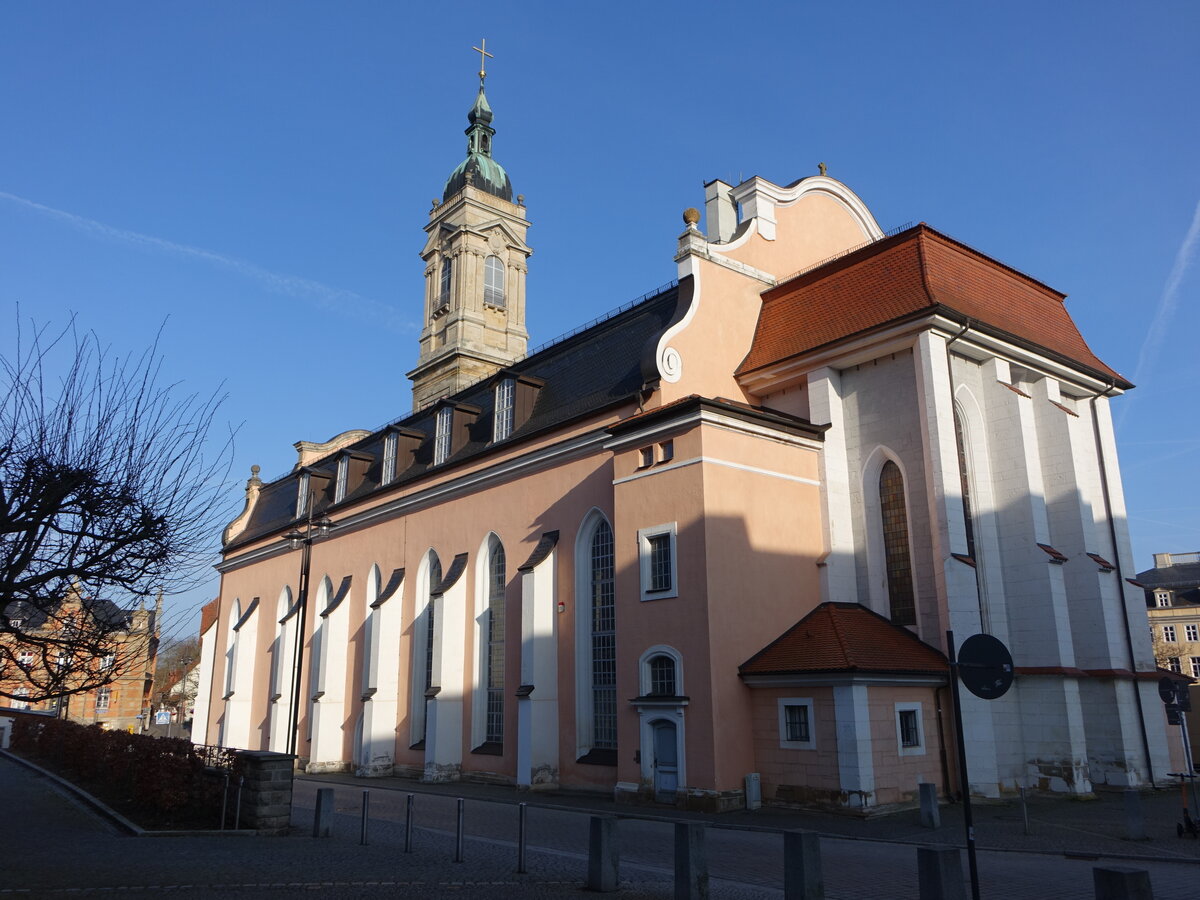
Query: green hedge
{"points": [[154, 781]]}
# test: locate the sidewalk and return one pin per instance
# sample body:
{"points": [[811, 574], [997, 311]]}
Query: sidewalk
{"points": [[1093, 827], [53, 846]]}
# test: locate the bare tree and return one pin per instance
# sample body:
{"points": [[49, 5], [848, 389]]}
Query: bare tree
{"points": [[109, 494]]}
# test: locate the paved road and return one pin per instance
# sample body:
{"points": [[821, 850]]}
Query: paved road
{"points": [[51, 847]]}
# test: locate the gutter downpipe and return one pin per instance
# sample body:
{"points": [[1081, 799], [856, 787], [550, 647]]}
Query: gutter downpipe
{"points": [[1112, 532]]}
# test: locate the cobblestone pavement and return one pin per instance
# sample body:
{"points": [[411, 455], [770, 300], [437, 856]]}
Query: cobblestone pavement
{"points": [[52, 847]]}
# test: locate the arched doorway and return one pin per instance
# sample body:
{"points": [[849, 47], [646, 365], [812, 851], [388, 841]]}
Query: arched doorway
{"points": [[666, 761]]}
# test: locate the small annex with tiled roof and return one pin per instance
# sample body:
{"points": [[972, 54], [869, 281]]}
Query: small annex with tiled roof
{"points": [[845, 637], [810, 687]]}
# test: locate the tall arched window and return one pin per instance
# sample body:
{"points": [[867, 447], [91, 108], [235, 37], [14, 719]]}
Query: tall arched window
{"points": [[662, 676], [444, 286], [965, 483], [901, 597], [427, 641], [604, 639], [493, 281], [495, 643]]}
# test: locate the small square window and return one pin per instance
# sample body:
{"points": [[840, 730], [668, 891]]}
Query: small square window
{"points": [[1196, 666], [108, 661], [1162, 598], [1191, 632], [1174, 665], [796, 724], [103, 697], [645, 457], [910, 732], [1168, 633], [25, 659], [656, 552], [666, 451]]}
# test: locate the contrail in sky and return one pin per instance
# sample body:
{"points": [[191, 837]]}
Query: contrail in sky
{"points": [[322, 295], [1152, 346], [1170, 297]]}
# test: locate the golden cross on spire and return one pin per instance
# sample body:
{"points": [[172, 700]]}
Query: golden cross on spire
{"points": [[483, 58]]}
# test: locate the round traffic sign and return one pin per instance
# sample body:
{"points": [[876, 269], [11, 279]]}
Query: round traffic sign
{"points": [[985, 666]]}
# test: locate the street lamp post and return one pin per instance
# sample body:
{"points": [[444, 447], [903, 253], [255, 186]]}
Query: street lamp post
{"points": [[314, 530]]}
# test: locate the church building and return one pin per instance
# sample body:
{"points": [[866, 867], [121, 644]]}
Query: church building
{"points": [[722, 531]]}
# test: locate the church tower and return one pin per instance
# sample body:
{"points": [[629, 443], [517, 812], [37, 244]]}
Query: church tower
{"points": [[475, 265]]}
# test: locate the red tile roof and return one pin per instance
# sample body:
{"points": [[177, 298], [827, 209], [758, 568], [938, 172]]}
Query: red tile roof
{"points": [[845, 637], [910, 274], [208, 614]]}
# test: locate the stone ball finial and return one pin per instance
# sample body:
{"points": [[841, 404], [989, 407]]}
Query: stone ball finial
{"points": [[520, 199], [691, 215], [254, 470]]}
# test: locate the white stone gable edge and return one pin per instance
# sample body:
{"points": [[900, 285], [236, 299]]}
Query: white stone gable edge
{"points": [[971, 345]]}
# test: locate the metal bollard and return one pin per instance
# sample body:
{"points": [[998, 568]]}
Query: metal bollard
{"points": [[802, 878], [237, 806], [1121, 883], [521, 807], [366, 807], [323, 816], [691, 862], [408, 825], [224, 800], [604, 856], [458, 840]]}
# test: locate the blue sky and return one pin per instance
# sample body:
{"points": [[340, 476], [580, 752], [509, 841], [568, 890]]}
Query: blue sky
{"points": [[258, 173]]}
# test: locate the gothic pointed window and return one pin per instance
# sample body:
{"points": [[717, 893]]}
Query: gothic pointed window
{"points": [[964, 481], [495, 644], [493, 281], [898, 558], [604, 640]]}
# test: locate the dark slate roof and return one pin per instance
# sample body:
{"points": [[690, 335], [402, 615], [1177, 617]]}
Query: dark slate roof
{"points": [[104, 611], [584, 374], [1184, 575]]}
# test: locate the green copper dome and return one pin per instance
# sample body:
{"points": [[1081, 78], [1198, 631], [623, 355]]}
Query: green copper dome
{"points": [[479, 169]]}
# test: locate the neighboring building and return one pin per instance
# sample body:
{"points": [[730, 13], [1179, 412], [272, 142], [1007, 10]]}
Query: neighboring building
{"points": [[1173, 606], [722, 531], [130, 644]]}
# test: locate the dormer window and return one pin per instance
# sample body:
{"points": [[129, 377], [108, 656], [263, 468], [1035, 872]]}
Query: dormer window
{"points": [[493, 282], [302, 495], [339, 486], [444, 288], [389, 458], [502, 423], [441, 437]]}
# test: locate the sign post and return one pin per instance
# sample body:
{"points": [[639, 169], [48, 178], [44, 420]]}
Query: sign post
{"points": [[986, 668]]}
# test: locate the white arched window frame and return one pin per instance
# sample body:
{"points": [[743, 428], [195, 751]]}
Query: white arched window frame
{"points": [[983, 504], [877, 582], [231, 648], [424, 645], [595, 635], [493, 282], [491, 587], [646, 679], [317, 649], [370, 657]]}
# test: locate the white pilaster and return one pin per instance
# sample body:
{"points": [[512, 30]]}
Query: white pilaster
{"points": [[856, 763], [537, 709], [444, 729], [838, 581]]}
